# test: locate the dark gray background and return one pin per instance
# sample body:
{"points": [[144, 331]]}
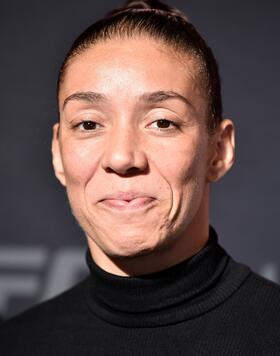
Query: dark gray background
{"points": [[36, 223]]}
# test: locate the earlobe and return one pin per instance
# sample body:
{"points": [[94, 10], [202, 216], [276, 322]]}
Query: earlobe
{"points": [[56, 156], [222, 151]]}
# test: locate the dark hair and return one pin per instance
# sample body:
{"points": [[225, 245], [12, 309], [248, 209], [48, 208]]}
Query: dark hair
{"points": [[161, 22]]}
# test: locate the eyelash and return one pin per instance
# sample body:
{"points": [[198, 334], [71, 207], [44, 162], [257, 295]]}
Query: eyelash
{"points": [[175, 126], [85, 122]]}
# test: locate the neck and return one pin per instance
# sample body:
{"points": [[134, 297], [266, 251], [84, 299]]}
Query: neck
{"points": [[171, 296], [178, 249]]}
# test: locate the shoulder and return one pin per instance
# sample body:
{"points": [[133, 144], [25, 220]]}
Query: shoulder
{"points": [[68, 301], [256, 293], [250, 316], [262, 290], [256, 305], [44, 322]]}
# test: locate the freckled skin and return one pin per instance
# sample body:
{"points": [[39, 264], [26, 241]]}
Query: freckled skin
{"points": [[126, 150]]}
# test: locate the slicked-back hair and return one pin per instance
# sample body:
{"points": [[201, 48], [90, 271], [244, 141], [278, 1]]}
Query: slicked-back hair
{"points": [[160, 22]]}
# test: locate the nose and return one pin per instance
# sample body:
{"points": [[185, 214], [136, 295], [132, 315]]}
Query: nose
{"points": [[124, 153]]}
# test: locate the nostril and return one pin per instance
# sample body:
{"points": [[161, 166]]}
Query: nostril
{"points": [[132, 170], [128, 172]]}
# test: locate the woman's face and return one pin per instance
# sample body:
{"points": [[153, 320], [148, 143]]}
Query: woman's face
{"points": [[132, 148]]}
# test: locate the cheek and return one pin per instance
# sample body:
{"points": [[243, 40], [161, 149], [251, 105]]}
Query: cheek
{"points": [[79, 161], [183, 162]]}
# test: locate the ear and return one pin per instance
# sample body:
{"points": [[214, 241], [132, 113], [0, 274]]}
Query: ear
{"points": [[222, 151], [56, 156]]}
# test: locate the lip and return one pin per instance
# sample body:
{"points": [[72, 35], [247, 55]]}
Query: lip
{"points": [[126, 196], [127, 201]]}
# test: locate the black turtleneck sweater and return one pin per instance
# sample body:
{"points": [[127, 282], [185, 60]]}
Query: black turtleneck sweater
{"points": [[206, 305]]}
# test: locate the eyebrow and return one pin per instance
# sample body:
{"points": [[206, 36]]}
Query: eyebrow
{"points": [[163, 95], [152, 98], [88, 96]]}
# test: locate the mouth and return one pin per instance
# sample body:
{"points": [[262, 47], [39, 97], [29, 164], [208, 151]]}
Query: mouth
{"points": [[133, 204]]}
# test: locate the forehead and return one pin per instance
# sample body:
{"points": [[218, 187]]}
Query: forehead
{"points": [[126, 68]]}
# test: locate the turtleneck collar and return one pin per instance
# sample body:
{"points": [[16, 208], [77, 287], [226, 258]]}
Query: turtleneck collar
{"points": [[173, 295]]}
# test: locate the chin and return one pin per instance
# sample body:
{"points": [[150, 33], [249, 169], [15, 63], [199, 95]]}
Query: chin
{"points": [[129, 255], [130, 247]]}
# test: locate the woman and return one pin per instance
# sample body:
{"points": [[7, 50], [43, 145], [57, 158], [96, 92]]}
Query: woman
{"points": [[139, 141]]}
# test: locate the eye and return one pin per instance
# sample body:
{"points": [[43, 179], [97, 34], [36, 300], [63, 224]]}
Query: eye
{"points": [[87, 125], [162, 124]]}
